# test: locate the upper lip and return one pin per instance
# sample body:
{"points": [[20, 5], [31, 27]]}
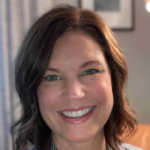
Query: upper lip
{"points": [[76, 108]]}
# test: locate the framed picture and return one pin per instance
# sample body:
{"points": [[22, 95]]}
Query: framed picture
{"points": [[119, 14]]}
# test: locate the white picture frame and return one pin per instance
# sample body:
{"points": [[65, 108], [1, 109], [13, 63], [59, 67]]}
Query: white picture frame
{"points": [[116, 20]]}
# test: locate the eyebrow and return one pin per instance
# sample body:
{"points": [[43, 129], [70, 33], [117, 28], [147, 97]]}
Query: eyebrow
{"points": [[53, 69], [90, 63], [84, 65]]}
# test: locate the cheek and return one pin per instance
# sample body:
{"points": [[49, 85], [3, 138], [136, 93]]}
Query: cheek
{"points": [[47, 96], [102, 90]]}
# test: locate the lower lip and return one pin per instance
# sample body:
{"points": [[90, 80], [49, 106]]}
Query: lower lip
{"points": [[77, 120]]}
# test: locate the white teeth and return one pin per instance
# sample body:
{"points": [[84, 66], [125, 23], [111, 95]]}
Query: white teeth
{"points": [[80, 113], [63, 113], [84, 111], [87, 110], [77, 113], [66, 114], [74, 114], [69, 114]]}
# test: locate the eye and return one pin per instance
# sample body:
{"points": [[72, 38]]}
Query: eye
{"points": [[90, 71], [52, 78]]}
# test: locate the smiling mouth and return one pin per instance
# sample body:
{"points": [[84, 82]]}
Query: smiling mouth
{"points": [[77, 114]]}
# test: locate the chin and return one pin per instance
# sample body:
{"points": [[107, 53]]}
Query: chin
{"points": [[80, 136], [78, 139]]}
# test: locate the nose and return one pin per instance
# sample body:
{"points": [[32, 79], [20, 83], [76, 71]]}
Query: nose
{"points": [[74, 90]]}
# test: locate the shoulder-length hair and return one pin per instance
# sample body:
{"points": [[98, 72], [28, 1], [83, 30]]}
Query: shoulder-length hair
{"points": [[32, 60]]}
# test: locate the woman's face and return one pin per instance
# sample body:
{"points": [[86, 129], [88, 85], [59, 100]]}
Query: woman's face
{"points": [[75, 96]]}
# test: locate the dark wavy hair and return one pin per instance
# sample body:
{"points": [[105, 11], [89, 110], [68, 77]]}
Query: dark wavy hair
{"points": [[32, 60]]}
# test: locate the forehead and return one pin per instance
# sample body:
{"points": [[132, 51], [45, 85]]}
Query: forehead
{"points": [[76, 46]]}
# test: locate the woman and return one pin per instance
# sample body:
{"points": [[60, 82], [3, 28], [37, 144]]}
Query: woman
{"points": [[70, 74]]}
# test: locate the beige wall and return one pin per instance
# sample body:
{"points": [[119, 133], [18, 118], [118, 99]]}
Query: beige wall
{"points": [[136, 48]]}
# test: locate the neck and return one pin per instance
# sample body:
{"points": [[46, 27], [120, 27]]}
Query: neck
{"points": [[97, 143]]}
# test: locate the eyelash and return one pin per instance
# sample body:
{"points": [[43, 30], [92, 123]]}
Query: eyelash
{"points": [[51, 77], [89, 73]]}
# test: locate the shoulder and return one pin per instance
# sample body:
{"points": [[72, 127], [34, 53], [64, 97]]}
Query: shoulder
{"points": [[125, 146]]}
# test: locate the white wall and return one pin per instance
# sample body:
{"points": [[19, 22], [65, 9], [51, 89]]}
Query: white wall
{"points": [[136, 48]]}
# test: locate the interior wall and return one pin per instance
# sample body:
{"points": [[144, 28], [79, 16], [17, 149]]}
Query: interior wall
{"points": [[136, 48]]}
